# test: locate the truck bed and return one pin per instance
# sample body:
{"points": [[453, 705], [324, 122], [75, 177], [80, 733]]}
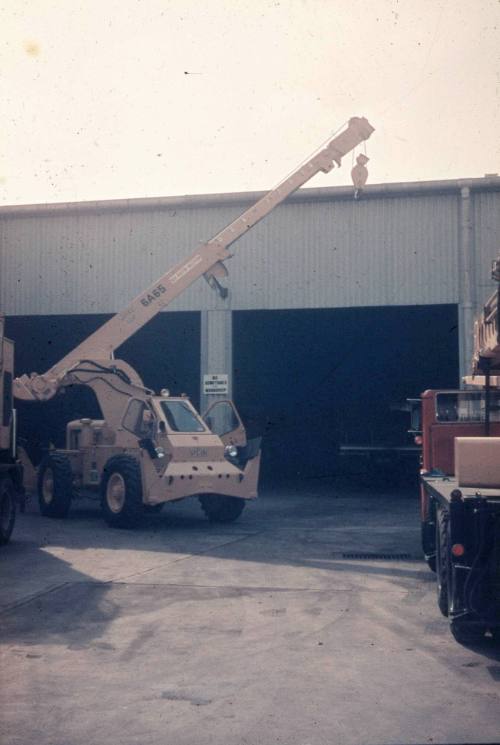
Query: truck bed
{"points": [[441, 487]]}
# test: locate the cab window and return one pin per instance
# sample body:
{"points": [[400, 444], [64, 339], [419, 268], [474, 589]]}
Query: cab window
{"points": [[180, 417], [221, 418], [466, 407], [138, 418]]}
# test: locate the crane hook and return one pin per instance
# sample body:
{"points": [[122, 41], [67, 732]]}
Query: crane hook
{"points": [[359, 174]]}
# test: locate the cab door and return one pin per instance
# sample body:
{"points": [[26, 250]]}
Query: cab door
{"points": [[223, 420]]}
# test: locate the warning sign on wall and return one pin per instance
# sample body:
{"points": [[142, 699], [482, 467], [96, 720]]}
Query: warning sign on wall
{"points": [[216, 383]]}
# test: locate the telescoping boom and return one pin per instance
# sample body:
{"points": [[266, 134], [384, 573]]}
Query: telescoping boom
{"points": [[208, 260], [486, 356]]}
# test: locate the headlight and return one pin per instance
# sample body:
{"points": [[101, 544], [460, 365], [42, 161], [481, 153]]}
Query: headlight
{"points": [[231, 451], [160, 453]]}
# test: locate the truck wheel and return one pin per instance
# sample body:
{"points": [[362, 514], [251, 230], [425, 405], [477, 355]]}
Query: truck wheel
{"points": [[442, 560], [121, 492], [55, 485], [221, 509], [431, 562], [467, 633], [7, 509]]}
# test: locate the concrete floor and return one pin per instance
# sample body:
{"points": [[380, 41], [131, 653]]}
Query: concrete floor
{"points": [[186, 633]]}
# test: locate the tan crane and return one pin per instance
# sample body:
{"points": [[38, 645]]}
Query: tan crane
{"points": [[150, 449]]}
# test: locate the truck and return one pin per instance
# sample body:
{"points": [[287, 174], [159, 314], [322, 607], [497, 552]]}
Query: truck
{"points": [[460, 487], [11, 470], [151, 448]]}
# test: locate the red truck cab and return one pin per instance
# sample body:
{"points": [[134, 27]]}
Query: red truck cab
{"points": [[445, 415]]}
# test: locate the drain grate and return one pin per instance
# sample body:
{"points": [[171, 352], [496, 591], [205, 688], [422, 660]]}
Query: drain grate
{"points": [[380, 557]]}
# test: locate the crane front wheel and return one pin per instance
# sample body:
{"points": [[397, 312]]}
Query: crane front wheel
{"points": [[221, 509], [153, 509]]}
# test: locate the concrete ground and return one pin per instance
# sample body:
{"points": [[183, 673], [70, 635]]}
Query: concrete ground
{"points": [[264, 631]]}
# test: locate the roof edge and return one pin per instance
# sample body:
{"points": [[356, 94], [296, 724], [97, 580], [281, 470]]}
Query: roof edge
{"points": [[324, 193]]}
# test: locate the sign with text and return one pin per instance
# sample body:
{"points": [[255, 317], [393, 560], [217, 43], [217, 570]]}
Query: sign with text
{"points": [[216, 383]]}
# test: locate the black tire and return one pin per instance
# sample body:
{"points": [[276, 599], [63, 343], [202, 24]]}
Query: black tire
{"points": [[121, 492], [221, 509], [55, 485], [467, 633], [495, 635], [431, 563], [7, 509], [443, 566], [428, 536], [153, 509]]}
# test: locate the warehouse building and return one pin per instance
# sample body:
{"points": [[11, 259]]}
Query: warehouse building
{"points": [[338, 310]]}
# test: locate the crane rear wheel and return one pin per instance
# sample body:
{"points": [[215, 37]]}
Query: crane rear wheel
{"points": [[55, 485]]}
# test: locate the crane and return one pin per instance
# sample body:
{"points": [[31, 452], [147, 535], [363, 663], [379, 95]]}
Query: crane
{"points": [[151, 448]]}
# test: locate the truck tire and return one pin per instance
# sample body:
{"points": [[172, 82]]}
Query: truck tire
{"points": [[431, 563], [121, 492], [55, 485], [7, 509], [221, 509], [428, 535], [442, 559], [467, 633]]}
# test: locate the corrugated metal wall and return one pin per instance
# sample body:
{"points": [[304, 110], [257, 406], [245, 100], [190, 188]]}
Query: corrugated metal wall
{"points": [[312, 252], [344, 254]]}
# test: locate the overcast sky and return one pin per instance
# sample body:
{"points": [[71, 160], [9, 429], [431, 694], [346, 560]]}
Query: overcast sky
{"points": [[107, 99]]}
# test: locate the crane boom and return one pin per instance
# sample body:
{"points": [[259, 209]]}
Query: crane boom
{"points": [[206, 260]]}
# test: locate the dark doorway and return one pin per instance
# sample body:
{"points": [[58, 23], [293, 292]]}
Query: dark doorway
{"points": [[309, 380]]}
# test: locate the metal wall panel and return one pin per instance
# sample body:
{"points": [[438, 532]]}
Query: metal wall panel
{"points": [[92, 263], [319, 251], [343, 254]]}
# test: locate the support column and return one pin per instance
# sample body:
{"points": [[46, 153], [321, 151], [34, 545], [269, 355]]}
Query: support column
{"points": [[466, 285], [216, 352]]}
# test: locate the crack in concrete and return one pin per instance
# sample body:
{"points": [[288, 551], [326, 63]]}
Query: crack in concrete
{"points": [[241, 588], [36, 596], [184, 558]]}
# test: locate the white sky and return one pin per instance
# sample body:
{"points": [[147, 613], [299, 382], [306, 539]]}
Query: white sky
{"points": [[97, 104]]}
